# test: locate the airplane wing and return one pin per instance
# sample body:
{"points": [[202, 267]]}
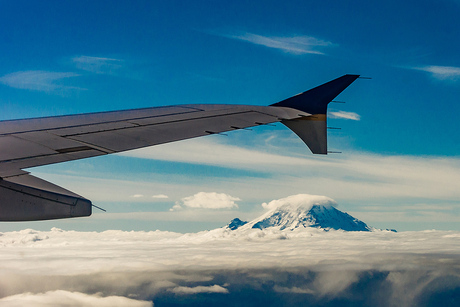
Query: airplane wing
{"points": [[33, 142]]}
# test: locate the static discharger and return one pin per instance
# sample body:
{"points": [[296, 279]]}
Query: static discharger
{"points": [[271, 125], [219, 133], [99, 208]]}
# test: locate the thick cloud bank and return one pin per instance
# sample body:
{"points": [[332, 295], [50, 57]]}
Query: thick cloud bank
{"points": [[227, 268], [66, 298]]}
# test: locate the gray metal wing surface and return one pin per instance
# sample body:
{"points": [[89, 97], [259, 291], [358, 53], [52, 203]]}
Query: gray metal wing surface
{"points": [[34, 142]]}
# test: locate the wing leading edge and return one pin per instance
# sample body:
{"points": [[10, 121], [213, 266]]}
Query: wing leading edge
{"points": [[40, 141]]}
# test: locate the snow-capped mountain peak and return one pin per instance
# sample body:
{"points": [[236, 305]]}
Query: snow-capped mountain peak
{"points": [[302, 211]]}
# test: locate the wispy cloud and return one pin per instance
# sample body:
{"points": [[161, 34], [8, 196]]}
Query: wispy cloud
{"points": [[199, 289], [137, 196], [290, 44], [345, 115], [441, 72], [38, 80], [144, 198], [295, 290], [97, 65]]}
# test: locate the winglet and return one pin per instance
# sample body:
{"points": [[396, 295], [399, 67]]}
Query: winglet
{"points": [[315, 101], [313, 129]]}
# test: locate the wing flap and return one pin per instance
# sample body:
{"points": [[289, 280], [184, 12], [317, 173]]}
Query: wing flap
{"points": [[14, 167], [28, 198]]}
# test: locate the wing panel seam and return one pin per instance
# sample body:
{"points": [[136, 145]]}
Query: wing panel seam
{"points": [[94, 124], [50, 155], [169, 122]]}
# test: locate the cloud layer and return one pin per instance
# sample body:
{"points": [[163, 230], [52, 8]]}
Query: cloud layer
{"points": [[66, 298], [220, 266]]}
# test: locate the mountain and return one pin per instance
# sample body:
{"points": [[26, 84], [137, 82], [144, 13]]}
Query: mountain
{"points": [[302, 211], [236, 223]]}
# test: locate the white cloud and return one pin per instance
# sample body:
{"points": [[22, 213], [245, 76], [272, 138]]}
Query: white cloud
{"points": [[135, 267], [304, 201], [38, 80], [137, 196], [198, 289], [207, 200], [441, 72], [160, 196], [345, 115], [65, 298], [289, 44], [98, 65]]}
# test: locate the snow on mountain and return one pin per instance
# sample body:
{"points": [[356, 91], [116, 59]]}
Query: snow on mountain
{"points": [[302, 211]]}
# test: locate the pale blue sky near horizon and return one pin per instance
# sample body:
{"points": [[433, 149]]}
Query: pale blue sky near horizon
{"points": [[64, 57]]}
